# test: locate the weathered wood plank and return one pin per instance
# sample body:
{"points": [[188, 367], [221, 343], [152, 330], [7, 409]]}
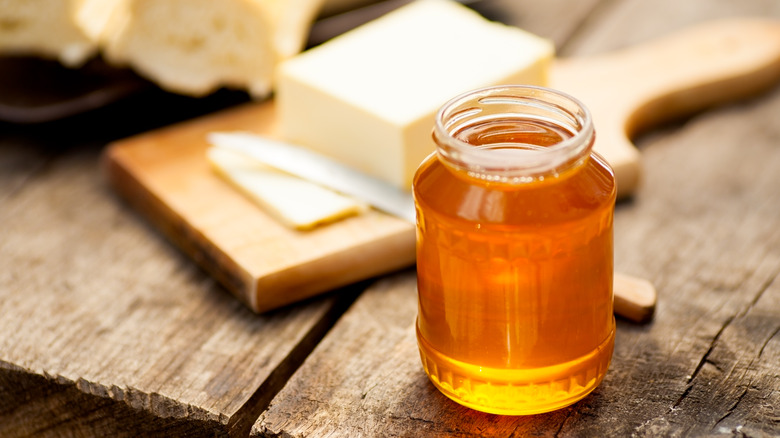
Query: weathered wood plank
{"points": [[365, 379], [20, 160], [703, 227], [557, 20], [625, 23], [734, 387], [708, 234], [106, 328]]}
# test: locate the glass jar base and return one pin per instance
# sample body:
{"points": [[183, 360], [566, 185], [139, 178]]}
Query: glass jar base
{"points": [[516, 391]]}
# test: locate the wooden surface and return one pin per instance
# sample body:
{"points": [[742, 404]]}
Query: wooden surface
{"points": [[165, 175], [108, 330]]}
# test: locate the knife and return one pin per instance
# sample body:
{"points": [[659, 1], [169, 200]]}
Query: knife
{"points": [[635, 298], [321, 170]]}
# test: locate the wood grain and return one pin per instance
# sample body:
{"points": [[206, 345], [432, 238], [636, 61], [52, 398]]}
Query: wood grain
{"points": [[703, 227], [109, 330], [714, 257], [165, 175], [375, 385]]}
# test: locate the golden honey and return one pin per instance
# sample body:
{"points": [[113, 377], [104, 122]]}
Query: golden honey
{"points": [[514, 252]]}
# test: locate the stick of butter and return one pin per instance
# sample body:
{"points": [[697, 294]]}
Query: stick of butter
{"points": [[295, 202], [368, 98]]}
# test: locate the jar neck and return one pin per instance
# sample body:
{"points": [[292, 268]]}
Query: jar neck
{"points": [[513, 134]]}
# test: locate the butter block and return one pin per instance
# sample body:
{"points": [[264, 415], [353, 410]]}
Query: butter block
{"points": [[292, 201], [368, 98]]}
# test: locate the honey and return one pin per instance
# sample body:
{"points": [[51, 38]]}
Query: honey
{"points": [[514, 253]]}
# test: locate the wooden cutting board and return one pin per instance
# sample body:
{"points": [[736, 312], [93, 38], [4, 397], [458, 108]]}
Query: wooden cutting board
{"points": [[165, 176]]}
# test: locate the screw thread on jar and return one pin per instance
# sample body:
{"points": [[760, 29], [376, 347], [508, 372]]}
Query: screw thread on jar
{"points": [[491, 159]]}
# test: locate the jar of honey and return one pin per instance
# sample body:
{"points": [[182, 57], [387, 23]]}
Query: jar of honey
{"points": [[514, 252]]}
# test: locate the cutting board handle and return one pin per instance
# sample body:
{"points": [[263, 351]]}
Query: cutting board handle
{"points": [[713, 63], [633, 89]]}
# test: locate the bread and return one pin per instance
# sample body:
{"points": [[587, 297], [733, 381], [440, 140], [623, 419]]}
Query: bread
{"points": [[45, 28], [196, 46], [186, 46]]}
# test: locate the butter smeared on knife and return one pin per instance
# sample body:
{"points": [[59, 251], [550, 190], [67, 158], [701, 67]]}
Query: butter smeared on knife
{"points": [[293, 201], [319, 169]]}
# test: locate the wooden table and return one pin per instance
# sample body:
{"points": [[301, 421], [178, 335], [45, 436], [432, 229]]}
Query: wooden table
{"points": [[108, 330]]}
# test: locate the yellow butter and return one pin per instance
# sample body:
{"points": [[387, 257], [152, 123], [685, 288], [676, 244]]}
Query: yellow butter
{"points": [[368, 97], [297, 203]]}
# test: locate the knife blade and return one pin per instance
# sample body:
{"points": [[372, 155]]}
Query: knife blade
{"points": [[321, 170]]}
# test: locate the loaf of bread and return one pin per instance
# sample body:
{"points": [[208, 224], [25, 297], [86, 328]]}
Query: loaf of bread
{"points": [[190, 47], [45, 28], [196, 46]]}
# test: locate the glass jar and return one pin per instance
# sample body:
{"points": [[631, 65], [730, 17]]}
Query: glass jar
{"points": [[514, 252]]}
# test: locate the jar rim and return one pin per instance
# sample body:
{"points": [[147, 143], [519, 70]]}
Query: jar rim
{"points": [[560, 108]]}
